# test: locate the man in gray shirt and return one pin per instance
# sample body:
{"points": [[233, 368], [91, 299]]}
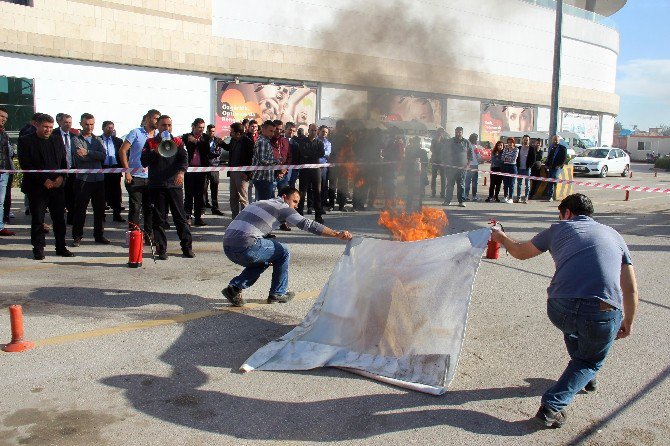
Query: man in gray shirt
{"points": [[592, 296], [458, 154]]}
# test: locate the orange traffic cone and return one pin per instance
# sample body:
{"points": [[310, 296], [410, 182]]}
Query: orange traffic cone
{"points": [[16, 319]]}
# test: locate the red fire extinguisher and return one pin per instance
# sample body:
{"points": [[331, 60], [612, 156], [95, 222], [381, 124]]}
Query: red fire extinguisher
{"points": [[493, 248], [135, 246]]}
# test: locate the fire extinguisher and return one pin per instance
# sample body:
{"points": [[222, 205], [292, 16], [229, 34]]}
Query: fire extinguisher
{"points": [[135, 246], [493, 248]]}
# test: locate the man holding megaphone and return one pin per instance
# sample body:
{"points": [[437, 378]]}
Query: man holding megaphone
{"points": [[166, 158]]}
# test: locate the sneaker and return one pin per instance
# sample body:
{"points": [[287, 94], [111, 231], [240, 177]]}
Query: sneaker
{"points": [[466, 199], [524, 200], [38, 254], [591, 386], [4, 232], [234, 295], [475, 199], [280, 298], [461, 204], [64, 252], [76, 242], [188, 253], [508, 200], [550, 418], [551, 199], [446, 203], [162, 255], [102, 240], [516, 200]]}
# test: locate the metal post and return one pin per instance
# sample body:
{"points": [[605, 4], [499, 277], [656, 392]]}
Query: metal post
{"points": [[556, 77]]}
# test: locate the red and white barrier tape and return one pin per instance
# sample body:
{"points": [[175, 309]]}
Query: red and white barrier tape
{"points": [[313, 166]]}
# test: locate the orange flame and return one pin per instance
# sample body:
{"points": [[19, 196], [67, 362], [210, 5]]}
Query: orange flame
{"points": [[429, 223]]}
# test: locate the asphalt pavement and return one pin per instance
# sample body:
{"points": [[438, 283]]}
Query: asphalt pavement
{"points": [[150, 356]]}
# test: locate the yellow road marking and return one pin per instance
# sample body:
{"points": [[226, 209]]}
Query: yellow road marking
{"points": [[176, 319]]}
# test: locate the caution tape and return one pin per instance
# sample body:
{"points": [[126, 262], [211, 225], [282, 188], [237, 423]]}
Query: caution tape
{"points": [[135, 170]]}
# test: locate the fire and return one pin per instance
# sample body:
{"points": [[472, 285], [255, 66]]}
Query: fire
{"points": [[429, 223], [345, 157]]}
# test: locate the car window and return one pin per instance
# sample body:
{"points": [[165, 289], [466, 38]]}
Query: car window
{"points": [[596, 153]]}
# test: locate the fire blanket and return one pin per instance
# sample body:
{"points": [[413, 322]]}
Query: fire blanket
{"points": [[392, 311]]}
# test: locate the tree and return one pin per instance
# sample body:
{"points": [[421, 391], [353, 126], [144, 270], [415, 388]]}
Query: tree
{"points": [[618, 126], [665, 129]]}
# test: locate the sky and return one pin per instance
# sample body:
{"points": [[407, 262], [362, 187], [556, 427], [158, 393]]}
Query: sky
{"points": [[643, 72]]}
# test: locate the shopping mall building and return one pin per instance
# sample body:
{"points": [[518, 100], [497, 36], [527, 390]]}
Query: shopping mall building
{"points": [[485, 65]]}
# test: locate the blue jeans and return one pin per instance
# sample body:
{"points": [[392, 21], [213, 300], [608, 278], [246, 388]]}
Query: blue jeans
{"points": [[4, 180], [264, 189], [553, 172], [588, 333], [255, 259], [519, 180], [508, 182], [471, 179]]}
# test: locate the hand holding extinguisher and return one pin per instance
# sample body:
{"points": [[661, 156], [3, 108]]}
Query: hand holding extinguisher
{"points": [[497, 235]]}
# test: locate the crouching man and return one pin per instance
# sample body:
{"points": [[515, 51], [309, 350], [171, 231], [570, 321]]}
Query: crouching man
{"points": [[594, 281], [244, 243]]}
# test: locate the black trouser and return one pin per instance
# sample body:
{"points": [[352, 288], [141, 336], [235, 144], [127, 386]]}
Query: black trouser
{"points": [[113, 191], [70, 194], [212, 180], [310, 180], [327, 189], [365, 188], [8, 198], [437, 170], [194, 184], [161, 198], [339, 183], [84, 192], [138, 199], [38, 202], [496, 181]]}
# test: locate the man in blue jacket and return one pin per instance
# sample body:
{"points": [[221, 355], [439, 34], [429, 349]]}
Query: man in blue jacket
{"points": [[558, 155]]}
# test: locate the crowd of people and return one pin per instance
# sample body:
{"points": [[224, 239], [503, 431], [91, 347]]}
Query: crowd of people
{"points": [[367, 161]]}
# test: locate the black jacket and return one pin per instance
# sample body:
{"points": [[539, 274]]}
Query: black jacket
{"points": [[530, 160], [309, 152], [246, 147], [201, 145], [557, 156], [163, 171], [31, 156]]}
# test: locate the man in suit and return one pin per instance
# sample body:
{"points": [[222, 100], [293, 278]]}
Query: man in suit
{"points": [[40, 151], [65, 134], [556, 158], [88, 154], [197, 146], [112, 144], [241, 153], [212, 178], [166, 178]]}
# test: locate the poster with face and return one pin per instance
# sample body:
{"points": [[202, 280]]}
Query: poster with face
{"points": [[262, 102], [394, 107], [502, 118]]}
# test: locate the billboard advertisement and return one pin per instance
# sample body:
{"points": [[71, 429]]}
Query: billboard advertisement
{"points": [[502, 118], [586, 126], [261, 101], [395, 107]]}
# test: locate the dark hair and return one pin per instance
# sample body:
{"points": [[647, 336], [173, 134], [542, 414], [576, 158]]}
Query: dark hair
{"points": [[152, 112], [35, 117], [525, 136], [86, 116], [539, 140], [288, 190], [210, 127], [289, 125], [253, 121], [162, 117], [268, 123], [510, 138], [278, 122], [43, 117], [578, 204], [198, 121], [496, 145], [3, 109], [236, 127], [106, 123], [323, 127], [59, 116], [64, 115], [459, 128], [473, 138], [245, 121]]}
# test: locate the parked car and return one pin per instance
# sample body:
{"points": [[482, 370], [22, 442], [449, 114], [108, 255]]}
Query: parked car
{"points": [[483, 153], [602, 161]]}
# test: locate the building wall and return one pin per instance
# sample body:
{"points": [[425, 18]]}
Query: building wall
{"points": [[491, 49], [112, 92], [660, 145]]}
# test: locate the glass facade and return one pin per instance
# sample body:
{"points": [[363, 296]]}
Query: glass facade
{"points": [[17, 95]]}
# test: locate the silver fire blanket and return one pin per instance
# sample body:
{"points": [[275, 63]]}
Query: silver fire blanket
{"points": [[392, 311]]}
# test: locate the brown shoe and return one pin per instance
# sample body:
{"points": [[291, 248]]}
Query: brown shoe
{"points": [[234, 295]]}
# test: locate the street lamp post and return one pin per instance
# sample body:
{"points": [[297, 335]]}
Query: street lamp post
{"points": [[556, 77]]}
